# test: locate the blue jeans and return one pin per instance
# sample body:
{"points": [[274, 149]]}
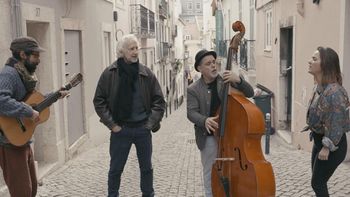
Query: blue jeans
{"points": [[120, 144]]}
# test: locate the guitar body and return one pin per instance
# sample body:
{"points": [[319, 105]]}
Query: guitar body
{"points": [[12, 128], [20, 130]]}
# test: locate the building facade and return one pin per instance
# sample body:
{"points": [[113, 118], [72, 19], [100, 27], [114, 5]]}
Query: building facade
{"points": [[79, 41], [76, 42], [290, 31], [226, 13]]}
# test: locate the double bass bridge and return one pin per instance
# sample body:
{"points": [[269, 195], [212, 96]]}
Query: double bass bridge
{"points": [[225, 159]]}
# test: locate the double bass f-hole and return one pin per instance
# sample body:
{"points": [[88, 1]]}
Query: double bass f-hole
{"points": [[245, 166]]}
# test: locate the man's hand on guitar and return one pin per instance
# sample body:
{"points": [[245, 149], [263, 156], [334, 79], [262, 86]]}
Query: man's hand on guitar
{"points": [[64, 93], [35, 117]]}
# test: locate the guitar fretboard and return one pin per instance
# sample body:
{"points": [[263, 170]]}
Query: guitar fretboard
{"points": [[47, 101]]}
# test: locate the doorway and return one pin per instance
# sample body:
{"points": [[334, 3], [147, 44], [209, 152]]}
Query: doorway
{"points": [[75, 100], [286, 62], [44, 146]]}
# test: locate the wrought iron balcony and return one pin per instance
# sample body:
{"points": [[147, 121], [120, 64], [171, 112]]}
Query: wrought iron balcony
{"points": [[246, 59], [243, 55], [163, 9], [142, 21]]}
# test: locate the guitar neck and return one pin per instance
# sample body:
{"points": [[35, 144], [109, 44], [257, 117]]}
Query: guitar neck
{"points": [[53, 97]]}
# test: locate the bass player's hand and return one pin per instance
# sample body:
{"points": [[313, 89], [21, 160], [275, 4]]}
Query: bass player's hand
{"points": [[230, 76], [211, 124]]}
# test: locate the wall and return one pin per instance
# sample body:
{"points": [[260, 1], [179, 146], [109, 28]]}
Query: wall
{"points": [[318, 26], [5, 31], [311, 34]]}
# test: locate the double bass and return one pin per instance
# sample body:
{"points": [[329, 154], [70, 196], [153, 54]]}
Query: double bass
{"points": [[240, 168]]}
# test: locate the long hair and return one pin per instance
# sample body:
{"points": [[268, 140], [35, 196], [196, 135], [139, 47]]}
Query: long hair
{"points": [[330, 66], [124, 42]]}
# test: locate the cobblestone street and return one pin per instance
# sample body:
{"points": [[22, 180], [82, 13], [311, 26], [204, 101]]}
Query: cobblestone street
{"points": [[177, 168]]}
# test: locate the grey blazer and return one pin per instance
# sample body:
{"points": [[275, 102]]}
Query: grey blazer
{"points": [[198, 104]]}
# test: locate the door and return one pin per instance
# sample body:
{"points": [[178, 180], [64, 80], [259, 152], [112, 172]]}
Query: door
{"points": [[286, 57], [75, 100]]}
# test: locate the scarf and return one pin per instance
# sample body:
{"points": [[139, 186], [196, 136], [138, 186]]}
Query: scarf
{"points": [[29, 80], [215, 100], [128, 74]]}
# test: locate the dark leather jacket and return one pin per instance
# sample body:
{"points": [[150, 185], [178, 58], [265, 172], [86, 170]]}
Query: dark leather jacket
{"points": [[106, 92]]}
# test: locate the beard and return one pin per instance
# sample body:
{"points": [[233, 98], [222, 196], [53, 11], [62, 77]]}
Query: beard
{"points": [[31, 67]]}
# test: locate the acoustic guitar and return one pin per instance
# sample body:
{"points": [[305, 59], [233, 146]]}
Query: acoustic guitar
{"points": [[20, 130]]}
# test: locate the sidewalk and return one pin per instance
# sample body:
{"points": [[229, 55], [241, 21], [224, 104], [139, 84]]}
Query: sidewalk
{"points": [[177, 168]]}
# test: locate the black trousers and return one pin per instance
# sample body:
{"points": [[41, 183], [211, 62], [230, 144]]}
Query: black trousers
{"points": [[323, 170], [120, 144]]}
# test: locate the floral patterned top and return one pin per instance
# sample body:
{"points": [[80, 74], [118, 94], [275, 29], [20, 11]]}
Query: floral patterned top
{"points": [[328, 113]]}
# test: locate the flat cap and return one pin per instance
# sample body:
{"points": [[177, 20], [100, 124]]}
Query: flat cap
{"points": [[25, 44]]}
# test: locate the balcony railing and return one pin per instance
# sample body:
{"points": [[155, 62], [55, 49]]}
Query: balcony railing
{"points": [[163, 9], [246, 59], [142, 21], [243, 55]]}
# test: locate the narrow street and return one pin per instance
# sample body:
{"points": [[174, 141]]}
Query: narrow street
{"points": [[177, 168]]}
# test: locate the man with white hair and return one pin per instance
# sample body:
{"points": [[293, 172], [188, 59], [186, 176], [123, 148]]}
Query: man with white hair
{"points": [[129, 101]]}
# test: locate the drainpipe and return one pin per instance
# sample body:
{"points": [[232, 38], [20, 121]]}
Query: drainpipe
{"points": [[16, 18], [219, 29]]}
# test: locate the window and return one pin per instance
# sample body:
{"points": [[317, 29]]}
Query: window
{"points": [[240, 9], [189, 6], [198, 6], [107, 48], [268, 30], [144, 59], [119, 2], [151, 60], [252, 21], [187, 37]]}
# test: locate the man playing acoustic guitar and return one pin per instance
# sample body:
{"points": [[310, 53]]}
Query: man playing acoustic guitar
{"points": [[17, 79]]}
